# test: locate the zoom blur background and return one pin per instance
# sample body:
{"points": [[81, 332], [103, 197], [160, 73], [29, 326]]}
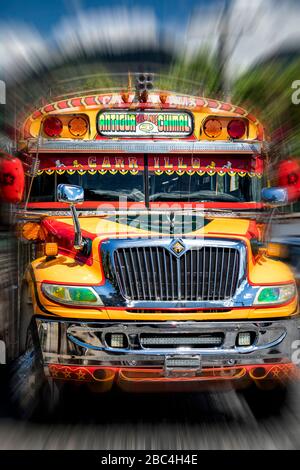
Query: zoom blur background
{"points": [[236, 50]]}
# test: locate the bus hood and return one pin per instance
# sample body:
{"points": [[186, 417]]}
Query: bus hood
{"points": [[158, 225]]}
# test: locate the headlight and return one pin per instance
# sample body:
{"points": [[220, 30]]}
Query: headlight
{"points": [[275, 294], [73, 295]]}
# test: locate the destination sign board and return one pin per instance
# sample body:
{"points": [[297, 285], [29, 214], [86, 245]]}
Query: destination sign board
{"points": [[145, 123]]}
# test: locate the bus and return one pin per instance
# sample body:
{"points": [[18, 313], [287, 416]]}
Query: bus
{"points": [[143, 248]]}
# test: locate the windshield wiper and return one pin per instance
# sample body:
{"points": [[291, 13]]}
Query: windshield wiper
{"points": [[198, 196], [166, 196], [109, 195], [213, 196]]}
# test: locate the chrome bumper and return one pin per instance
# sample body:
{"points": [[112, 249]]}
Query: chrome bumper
{"points": [[83, 343]]}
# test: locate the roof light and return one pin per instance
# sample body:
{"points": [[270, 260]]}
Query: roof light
{"points": [[53, 126], [212, 128], [236, 128], [143, 84], [78, 126]]}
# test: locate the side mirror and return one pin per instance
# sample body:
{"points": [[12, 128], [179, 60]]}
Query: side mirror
{"points": [[72, 194], [275, 196]]}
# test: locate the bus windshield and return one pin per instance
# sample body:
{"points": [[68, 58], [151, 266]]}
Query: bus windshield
{"points": [[183, 188], [160, 184]]}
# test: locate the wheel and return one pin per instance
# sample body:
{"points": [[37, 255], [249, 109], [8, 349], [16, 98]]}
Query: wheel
{"points": [[32, 394]]}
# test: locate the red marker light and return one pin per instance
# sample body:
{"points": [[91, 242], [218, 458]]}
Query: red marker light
{"points": [[53, 126], [289, 177], [236, 128], [12, 179]]}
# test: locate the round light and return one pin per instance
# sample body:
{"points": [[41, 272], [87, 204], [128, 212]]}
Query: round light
{"points": [[78, 126], [212, 128], [53, 126], [236, 128], [31, 231]]}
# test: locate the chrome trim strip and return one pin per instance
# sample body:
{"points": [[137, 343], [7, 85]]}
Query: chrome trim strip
{"points": [[36, 214], [78, 342], [179, 351], [159, 273], [209, 270], [138, 146], [232, 279]]}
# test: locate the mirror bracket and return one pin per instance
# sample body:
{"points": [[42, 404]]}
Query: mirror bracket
{"points": [[78, 240]]}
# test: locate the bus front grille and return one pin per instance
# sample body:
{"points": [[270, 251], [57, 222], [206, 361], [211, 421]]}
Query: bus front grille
{"points": [[154, 273]]}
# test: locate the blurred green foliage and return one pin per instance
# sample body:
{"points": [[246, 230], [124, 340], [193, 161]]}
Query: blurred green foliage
{"points": [[198, 76], [266, 90]]}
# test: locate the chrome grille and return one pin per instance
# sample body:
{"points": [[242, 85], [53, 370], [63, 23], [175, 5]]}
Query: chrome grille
{"points": [[202, 273]]}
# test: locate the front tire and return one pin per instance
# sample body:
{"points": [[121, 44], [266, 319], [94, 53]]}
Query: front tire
{"points": [[33, 395]]}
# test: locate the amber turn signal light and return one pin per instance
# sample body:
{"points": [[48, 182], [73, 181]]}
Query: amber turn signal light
{"points": [[51, 250], [78, 126], [212, 128], [32, 231]]}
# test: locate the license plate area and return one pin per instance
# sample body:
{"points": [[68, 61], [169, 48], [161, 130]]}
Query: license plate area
{"points": [[182, 366]]}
